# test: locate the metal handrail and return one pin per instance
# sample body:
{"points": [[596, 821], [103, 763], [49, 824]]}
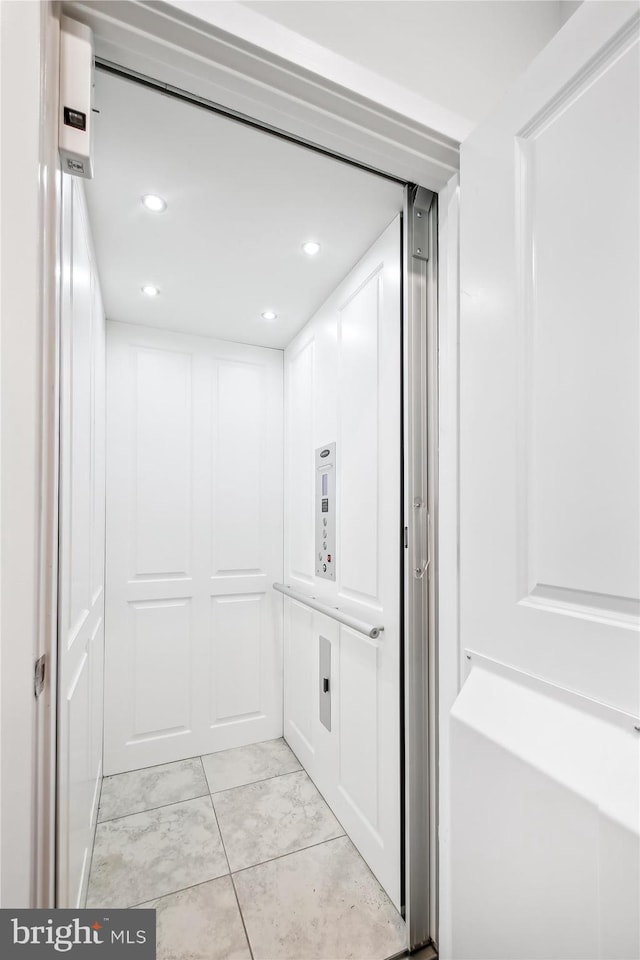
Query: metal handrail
{"points": [[369, 629]]}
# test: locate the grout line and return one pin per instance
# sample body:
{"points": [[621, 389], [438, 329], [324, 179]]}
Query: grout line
{"points": [[201, 883], [209, 792], [281, 855], [244, 926], [275, 776], [235, 892], [215, 817], [204, 770], [290, 853], [192, 886], [172, 893], [161, 806], [153, 766], [196, 756]]}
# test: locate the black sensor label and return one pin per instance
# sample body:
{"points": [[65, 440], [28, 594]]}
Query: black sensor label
{"points": [[75, 118]]}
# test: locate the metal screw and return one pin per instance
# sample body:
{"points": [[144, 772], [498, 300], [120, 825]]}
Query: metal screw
{"points": [[418, 250], [418, 214]]}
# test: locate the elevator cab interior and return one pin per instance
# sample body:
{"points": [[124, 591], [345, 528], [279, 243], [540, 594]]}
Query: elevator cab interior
{"points": [[231, 730]]}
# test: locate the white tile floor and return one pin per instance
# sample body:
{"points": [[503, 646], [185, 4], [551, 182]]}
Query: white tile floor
{"points": [[241, 858]]}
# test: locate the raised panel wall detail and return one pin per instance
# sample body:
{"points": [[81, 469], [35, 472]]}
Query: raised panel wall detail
{"points": [[238, 467], [162, 636], [81, 548], [300, 480], [343, 384], [358, 444], [80, 454], [359, 710], [80, 785], [96, 666], [236, 641], [300, 691], [162, 452], [98, 446], [542, 740], [580, 475], [194, 636]]}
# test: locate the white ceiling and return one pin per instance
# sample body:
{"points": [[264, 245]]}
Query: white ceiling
{"points": [[240, 205]]}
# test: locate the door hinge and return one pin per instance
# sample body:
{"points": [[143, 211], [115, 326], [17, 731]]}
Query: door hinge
{"points": [[39, 675]]}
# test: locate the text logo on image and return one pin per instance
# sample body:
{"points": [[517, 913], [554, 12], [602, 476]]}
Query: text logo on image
{"points": [[42, 933]]}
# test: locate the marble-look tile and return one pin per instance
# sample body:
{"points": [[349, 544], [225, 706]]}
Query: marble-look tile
{"points": [[200, 923], [150, 854], [318, 903], [273, 817], [139, 790], [258, 761]]}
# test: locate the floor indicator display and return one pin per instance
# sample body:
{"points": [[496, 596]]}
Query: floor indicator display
{"points": [[326, 511]]}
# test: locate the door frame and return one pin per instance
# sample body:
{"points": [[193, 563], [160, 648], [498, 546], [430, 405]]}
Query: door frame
{"points": [[29, 394], [420, 430], [136, 31], [189, 51]]}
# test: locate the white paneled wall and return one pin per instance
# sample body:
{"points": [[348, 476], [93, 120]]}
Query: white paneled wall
{"points": [[544, 744], [194, 542], [342, 384], [81, 570]]}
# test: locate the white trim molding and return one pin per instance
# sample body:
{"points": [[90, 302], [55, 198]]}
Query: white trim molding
{"points": [[448, 628], [259, 30], [168, 43]]}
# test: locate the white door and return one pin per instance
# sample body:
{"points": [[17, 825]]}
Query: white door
{"points": [[193, 660], [342, 385], [81, 557], [545, 741]]}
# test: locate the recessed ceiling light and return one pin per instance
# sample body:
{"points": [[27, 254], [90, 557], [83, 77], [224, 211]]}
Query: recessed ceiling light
{"points": [[269, 315], [154, 203], [311, 247], [149, 290]]}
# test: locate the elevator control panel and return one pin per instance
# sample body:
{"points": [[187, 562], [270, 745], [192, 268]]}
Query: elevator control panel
{"points": [[325, 517]]}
